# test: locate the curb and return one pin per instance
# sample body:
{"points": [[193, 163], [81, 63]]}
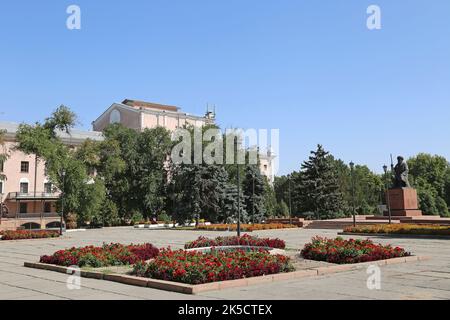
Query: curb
{"points": [[34, 239], [396, 235], [221, 285]]}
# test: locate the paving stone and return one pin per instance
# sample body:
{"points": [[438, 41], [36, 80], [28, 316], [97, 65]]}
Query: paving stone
{"points": [[414, 280]]}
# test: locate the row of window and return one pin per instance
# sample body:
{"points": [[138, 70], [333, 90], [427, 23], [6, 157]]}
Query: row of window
{"points": [[24, 166], [48, 187], [23, 208]]}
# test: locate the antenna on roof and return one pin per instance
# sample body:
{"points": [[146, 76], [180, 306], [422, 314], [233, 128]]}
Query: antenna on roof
{"points": [[210, 114]]}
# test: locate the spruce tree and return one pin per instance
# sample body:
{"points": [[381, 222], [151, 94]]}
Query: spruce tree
{"points": [[253, 188], [197, 192], [229, 213], [318, 190]]}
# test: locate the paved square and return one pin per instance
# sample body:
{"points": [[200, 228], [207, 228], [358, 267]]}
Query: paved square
{"points": [[422, 280]]}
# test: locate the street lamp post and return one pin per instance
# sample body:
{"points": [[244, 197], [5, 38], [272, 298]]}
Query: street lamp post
{"points": [[352, 168], [63, 175], [253, 199], [388, 200], [239, 201]]}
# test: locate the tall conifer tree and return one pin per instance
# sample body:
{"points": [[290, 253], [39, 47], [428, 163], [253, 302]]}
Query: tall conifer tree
{"points": [[318, 190]]}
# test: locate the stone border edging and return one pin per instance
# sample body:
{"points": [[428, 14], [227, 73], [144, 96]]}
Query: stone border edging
{"points": [[215, 286], [395, 235], [33, 239]]}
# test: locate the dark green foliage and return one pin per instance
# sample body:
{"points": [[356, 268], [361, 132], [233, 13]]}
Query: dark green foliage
{"points": [[253, 189], [270, 199], [62, 119], [3, 153], [133, 167], [153, 149], [447, 188], [197, 192], [282, 210], [229, 212], [135, 179], [282, 185], [430, 175], [318, 189], [368, 186]]}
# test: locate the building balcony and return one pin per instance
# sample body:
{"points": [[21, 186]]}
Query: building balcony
{"points": [[17, 196], [30, 215]]}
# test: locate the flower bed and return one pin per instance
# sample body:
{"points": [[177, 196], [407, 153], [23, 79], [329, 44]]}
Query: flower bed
{"points": [[246, 227], [26, 234], [342, 251], [197, 268], [245, 240], [401, 228], [113, 254]]}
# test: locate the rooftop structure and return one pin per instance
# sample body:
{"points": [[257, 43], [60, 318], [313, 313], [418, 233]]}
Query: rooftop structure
{"points": [[140, 115]]}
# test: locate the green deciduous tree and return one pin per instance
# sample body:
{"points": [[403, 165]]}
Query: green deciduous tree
{"points": [[288, 184], [430, 175], [270, 199], [447, 188], [134, 167], [368, 187], [153, 150], [117, 166], [65, 168], [282, 209], [3, 154]]}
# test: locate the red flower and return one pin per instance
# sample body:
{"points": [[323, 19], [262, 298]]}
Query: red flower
{"points": [[349, 251]]}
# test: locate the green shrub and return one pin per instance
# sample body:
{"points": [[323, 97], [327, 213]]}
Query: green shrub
{"points": [[164, 217]]}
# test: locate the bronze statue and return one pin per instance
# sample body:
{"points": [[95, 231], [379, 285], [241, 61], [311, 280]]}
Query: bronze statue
{"points": [[401, 172]]}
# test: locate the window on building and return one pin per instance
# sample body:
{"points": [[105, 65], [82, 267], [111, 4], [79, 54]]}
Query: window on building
{"points": [[23, 207], [1, 187], [24, 187], [47, 207], [47, 187], [24, 167], [2, 165]]}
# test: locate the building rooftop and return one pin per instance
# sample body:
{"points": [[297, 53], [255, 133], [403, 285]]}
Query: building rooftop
{"points": [[149, 105], [74, 136]]}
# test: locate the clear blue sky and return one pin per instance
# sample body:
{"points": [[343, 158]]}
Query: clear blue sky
{"points": [[310, 68]]}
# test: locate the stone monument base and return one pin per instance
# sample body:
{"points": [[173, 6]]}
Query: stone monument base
{"points": [[403, 203], [404, 213]]}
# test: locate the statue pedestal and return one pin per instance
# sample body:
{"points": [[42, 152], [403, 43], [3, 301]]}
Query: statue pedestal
{"points": [[403, 203]]}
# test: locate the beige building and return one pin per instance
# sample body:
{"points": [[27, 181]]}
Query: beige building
{"points": [[27, 197], [140, 115]]}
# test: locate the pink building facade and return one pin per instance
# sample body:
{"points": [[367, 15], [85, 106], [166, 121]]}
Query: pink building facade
{"points": [[27, 196]]}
